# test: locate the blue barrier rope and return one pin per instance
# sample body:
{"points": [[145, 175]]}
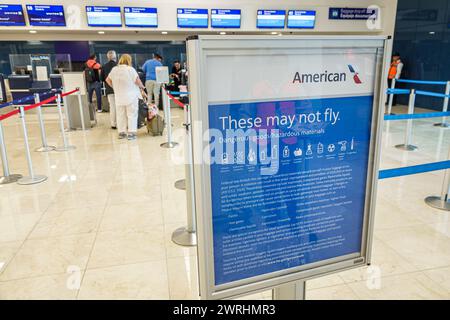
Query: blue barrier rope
{"points": [[398, 91], [24, 99], [416, 116], [432, 94], [177, 93], [421, 81], [406, 171]]}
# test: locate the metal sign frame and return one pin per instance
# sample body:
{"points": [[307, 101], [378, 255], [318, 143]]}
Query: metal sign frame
{"points": [[198, 49]]}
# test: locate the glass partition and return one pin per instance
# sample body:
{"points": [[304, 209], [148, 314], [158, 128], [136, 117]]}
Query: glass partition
{"points": [[40, 64]]}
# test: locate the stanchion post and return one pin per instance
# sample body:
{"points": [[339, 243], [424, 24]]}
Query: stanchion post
{"points": [[168, 121], [66, 112], [444, 122], [442, 202], [65, 146], [32, 178], [391, 97], [7, 176], [45, 147], [187, 236], [290, 291], [80, 106], [408, 132]]}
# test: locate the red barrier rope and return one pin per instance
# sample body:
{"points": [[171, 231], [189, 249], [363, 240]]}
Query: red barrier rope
{"points": [[69, 93], [9, 114], [40, 103], [177, 102]]}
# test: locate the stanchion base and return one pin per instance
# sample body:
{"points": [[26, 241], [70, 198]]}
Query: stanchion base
{"points": [[168, 145], [437, 203], [31, 180], [442, 125], [10, 179], [68, 148], [408, 147], [183, 237], [180, 184], [45, 149]]}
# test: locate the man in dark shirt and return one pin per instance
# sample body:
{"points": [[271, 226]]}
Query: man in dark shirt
{"points": [[106, 68]]}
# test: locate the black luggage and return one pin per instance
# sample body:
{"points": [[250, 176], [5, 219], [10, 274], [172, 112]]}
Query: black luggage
{"points": [[142, 113]]}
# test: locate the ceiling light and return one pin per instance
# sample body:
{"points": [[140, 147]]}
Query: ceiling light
{"points": [[101, 32], [274, 32], [432, 32], [223, 32], [33, 31], [164, 32]]}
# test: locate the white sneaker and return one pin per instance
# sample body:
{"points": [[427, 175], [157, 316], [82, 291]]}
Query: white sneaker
{"points": [[99, 111]]}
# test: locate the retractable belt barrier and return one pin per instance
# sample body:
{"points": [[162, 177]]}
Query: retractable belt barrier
{"points": [[177, 102], [32, 178]]}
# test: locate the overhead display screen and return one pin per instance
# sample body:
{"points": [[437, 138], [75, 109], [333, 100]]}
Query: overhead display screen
{"points": [[192, 18], [271, 19], [301, 19], [11, 15], [103, 16], [46, 16], [225, 18], [141, 17]]}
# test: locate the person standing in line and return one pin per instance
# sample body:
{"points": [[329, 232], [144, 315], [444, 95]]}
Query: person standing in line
{"points": [[92, 74], [149, 67], [126, 84], [395, 72], [176, 75], [106, 68]]}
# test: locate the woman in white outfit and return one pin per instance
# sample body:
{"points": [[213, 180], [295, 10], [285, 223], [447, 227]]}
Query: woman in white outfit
{"points": [[126, 84]]}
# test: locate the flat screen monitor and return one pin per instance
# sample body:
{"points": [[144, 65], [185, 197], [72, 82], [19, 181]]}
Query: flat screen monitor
{"points": [[225, 18], [11, 15], [141, 17], [103, 16], [271, 19], [46, 16], [301, 19], [192, 18]]}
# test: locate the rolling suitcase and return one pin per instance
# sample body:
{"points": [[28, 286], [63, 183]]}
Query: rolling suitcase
{"points": [[105, 104], [155, 126], [142, 113]]}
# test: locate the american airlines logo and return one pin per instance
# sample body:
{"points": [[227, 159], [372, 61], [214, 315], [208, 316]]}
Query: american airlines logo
{"points": [[326, 76]]}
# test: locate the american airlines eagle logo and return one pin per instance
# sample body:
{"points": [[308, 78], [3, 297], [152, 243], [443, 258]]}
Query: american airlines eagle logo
{"points": [[355, 74]]}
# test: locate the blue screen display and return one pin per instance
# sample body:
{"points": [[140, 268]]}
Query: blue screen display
{"points": [[295, 194], [46, 16], [103, 16], [225, 18], [192, 18], [271, 19], [301, 19], [141, 17], [11, 15]]}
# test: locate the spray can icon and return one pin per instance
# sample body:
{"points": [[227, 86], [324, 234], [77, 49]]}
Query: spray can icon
{"points": [[286, 152], [320, 148]]}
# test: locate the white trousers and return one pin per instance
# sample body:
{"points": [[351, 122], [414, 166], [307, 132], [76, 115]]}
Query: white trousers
{"points": [[127, 117], [153, 88], [112, 110]]}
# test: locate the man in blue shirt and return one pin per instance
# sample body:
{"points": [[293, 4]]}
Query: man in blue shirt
{"points": [[149, 67]]}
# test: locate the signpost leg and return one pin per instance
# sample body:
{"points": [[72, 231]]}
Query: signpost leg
{"points": [[391, 98], [444, 123], [7, 176], [180, 184], [166, 105], [32, 178], [290, 291], [45, 147], [80, 106], [442, 202], [65, 146], [66, 113], [407, 146]]}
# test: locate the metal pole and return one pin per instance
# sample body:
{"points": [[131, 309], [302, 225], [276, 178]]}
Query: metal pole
{"points": [[290, 291], [187, 236], [168, 121], [444, 122], [80, 106], [32, 179], [7, 176], [391, 97], [65, 146], [66, 113], [45, 147], [408, 132], [442, 202]]}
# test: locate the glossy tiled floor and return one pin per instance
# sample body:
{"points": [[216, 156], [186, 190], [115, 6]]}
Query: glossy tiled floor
{"points": [[100, 227]]}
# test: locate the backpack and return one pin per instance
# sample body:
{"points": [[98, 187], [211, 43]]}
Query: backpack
{"points": [[89, 74]]}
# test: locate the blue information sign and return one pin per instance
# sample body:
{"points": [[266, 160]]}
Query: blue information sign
{"points": [[301, 19], [11, 15], [225, 18], [103, 16], [268, 19], [141, 17], [352, 13], [46, 16], [192, 18]]}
